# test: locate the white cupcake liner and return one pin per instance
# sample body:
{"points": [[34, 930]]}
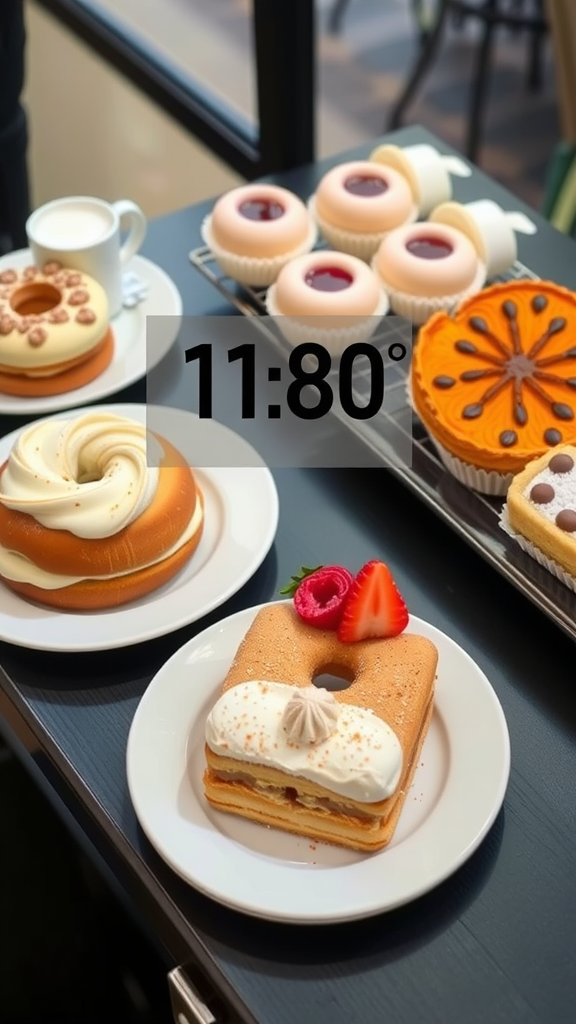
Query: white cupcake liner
{"points": [[334, 339], [486, 481], [548, 563], [354, 243], [250, 270], [419, 309]]}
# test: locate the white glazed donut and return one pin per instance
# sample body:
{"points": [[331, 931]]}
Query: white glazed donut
{"points": [[427, 259], [274, 221], [49, 316], [351, 287], [364, 197]]}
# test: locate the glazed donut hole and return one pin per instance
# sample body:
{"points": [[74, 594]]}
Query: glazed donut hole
{"points": [[364, 197], [427, 259], [34, 298], [261, 221]]}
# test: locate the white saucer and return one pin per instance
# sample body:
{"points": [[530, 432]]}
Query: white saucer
{"points": [[130, 361], [241, 517], [457, 792]]}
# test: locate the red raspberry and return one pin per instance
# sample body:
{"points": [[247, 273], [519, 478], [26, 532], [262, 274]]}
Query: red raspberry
{"points": [[320, 597]]}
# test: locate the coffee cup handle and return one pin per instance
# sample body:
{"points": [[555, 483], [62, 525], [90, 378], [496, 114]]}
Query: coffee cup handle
{"points": [[130, 212]]}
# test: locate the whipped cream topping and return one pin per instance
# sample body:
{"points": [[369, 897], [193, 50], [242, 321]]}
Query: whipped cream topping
{"points": [[14, 566], [311, 715], [87, 475], [361, 759]]}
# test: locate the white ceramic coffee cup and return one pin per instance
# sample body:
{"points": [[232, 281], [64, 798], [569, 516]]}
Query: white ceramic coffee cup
{"points": [[84, 233]]}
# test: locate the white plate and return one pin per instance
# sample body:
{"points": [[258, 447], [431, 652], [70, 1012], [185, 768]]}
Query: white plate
{"points": [[456, 794], [241, 516], [129, 362]]}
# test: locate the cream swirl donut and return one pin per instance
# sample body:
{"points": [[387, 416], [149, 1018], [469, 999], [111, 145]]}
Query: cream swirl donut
{"points": [[426, 267], [357, 203], [84, 522], [88, 476], [254, 229], [49, 316]]}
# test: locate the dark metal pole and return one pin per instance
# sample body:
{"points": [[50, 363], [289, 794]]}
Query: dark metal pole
{"points": [[285, 43], [14, 190]]}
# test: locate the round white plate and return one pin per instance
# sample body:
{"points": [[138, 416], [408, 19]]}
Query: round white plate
{"points": [[457, 792], [241, 516], [130, 361]]}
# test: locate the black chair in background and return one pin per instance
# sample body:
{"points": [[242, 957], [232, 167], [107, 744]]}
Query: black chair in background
{"points": [[14, 189], [514, 14], [431, 22]]}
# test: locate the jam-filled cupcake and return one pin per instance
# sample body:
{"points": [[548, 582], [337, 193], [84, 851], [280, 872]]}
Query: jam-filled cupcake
{"points": [[495, 385], [427, 267], [357, 203], [327, 297], [255, 229]]}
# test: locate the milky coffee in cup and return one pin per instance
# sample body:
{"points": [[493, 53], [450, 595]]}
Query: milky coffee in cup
{"points": [[84, 233]]}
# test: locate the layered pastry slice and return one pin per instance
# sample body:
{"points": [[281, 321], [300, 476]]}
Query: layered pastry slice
{"points": [[541, 511], [332, 766]]}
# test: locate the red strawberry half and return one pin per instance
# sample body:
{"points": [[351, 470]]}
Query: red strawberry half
{"points": [[320, 597], [374, 606]]}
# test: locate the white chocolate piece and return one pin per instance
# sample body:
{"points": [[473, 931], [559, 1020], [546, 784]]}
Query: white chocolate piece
{"points": [[425, 170], [262, 239], [406, 272], [487, 226]]}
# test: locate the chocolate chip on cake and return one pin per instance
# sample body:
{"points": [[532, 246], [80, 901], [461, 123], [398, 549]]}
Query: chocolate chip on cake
{"points": [[561, 463], [37, 337], [541, 494], [78, 297], [566, 520], [85, 316]]}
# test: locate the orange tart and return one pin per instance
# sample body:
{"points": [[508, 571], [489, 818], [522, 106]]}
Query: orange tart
{"points": [[495, 384]]}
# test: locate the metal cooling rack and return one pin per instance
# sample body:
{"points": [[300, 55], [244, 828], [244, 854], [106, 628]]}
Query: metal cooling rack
{"points": [[472, 516]]}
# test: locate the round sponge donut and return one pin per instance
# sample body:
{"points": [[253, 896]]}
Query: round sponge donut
{"points": [[52, 321], [111, 570], [145, 539], [68, 376], [93, 595]]}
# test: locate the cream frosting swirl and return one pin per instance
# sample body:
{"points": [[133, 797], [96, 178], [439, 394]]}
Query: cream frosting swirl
{"points": [[87, 475], [361, 759], [310, 715]]}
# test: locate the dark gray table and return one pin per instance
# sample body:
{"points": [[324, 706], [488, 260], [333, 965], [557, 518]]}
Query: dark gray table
{"points": [[497, 941]]}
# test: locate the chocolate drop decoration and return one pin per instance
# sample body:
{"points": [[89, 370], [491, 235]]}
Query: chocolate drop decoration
{"points": [[478, 374], [552, 436], [510, 309], [542, 494], [443, 382], [566, 520], [478, 324], [557, 324], [508, 438], [539, 302], [561, 463], [562, 411], [466, 347], [472, 412], [520, 415]]}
